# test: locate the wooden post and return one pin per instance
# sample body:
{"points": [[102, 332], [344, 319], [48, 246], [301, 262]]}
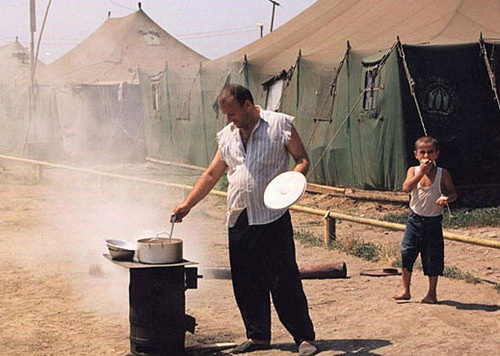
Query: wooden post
{"points": [[99, 184], [38, 172], [329, 230], [31, 97]]}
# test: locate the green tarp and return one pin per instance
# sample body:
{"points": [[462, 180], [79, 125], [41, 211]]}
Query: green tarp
{"points": [[459, 109], [358, 121]]}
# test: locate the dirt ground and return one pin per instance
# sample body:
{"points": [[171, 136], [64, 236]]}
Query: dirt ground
{"points": [[61, 297]]}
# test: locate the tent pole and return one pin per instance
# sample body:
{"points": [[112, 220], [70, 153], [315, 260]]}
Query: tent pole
{"points": [[297, 67], [289, 77], [333, 94], [361, 95], [207, 158], [327, 147], [491, 74], [245, 71]]}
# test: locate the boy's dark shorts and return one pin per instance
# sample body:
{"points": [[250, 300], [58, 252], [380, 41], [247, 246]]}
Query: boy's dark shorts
{"points": [[424, 235]]}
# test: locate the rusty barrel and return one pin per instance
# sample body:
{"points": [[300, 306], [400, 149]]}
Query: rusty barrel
{"points": [[157, 311], [322, 271]]}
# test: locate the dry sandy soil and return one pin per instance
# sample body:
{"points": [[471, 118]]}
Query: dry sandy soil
{"points": [[61, 297]]}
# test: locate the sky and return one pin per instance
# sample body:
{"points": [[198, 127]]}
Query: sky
{"points": [[211, 27]]}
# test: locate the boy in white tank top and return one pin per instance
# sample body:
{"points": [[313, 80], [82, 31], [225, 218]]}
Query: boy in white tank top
{"points": [[431, 188]]}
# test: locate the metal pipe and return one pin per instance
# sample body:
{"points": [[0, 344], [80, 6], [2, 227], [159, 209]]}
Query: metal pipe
{"points": [[322, 271], [394, 226], [396, 197], [318, 212], [106, 174], [176, 164]]}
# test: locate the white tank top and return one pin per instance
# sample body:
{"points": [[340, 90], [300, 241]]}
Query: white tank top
{"points": [[423, 199]]}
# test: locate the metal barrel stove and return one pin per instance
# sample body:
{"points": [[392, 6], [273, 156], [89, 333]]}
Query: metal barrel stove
{"points": [[157, 302]]}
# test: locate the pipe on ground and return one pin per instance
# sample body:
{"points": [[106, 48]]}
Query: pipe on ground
{"points": [[323, 271]]}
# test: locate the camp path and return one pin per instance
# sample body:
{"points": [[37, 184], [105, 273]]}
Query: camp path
{"points": [[61, 297]]}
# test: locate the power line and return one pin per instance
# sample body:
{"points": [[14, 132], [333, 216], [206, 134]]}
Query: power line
{"points": [[221, 34], [192, 35], [216, 31], [122, 6]]}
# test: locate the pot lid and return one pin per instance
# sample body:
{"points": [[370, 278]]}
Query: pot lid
{"points": [[284, 190]]}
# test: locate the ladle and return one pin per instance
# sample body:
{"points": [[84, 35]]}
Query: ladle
{"points": [[173, 219]]}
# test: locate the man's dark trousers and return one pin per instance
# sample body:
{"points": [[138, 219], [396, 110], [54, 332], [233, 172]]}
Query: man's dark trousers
{"points": [[263, 262]]}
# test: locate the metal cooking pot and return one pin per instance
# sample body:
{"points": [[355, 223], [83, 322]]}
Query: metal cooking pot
{"points": [[157, 250]]}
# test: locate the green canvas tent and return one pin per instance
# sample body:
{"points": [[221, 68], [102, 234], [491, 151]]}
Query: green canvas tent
{"points": [[14, 98], [95, 86], [15, 63], [360, 96]]}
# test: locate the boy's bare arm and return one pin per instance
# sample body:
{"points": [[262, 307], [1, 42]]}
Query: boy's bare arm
{"points": [[411, 180], [447, 186]]}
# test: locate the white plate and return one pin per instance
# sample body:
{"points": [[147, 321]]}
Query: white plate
{"points": [[284, 190]]}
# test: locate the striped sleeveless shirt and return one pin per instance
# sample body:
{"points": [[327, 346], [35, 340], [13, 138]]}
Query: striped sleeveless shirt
{"points": [[251, 169]]}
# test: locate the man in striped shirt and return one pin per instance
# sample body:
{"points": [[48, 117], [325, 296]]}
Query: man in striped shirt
{"points": [[254, 148]]}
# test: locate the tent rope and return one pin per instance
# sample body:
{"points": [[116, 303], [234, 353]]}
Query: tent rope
{"points": [[289, 78], [491, 74], [333, 94], [411, 83], [327, 147], [333, 88]]}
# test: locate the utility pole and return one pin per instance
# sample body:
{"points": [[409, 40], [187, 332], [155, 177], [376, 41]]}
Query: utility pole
{"points": [[32, 77], [32, 43], [272, 17]]}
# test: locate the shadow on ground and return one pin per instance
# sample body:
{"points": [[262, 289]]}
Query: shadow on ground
{"points": [[326, 348], [470, 306], [348, 347]]}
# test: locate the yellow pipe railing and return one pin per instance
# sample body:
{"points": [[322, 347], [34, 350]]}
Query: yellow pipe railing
{"points": [[394, 226], [106, 174], [318, 212]]}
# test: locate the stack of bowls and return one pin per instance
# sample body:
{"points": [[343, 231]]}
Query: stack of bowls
{"points": [[121, 250]]}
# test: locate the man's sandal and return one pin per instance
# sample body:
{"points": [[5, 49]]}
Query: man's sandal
{"points": [[307, 349], [249, 346]]}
